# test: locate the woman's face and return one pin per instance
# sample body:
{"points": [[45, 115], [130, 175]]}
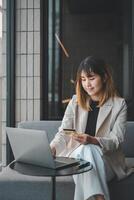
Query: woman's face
{"points": [[92, 84]]}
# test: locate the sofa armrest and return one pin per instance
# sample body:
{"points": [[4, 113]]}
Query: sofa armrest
{"points": [[128, 144]]}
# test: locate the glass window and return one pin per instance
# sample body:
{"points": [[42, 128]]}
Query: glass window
{"points": [[0, 81], [99, 28], [53, 59]]}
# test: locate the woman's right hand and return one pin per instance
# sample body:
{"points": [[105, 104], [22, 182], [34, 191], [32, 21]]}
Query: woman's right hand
{"points": [[53, 150]]}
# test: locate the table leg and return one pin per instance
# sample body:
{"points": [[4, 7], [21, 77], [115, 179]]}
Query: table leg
{"points": [[53, 188]]}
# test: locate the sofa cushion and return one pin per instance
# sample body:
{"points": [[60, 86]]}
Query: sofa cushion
{"points": [[129, 162], [51, 127]]}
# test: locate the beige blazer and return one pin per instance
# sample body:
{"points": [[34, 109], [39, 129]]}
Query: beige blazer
{"points": [[110, 131]]}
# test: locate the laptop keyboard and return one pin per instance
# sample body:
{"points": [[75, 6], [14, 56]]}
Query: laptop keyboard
{"points": [[80, 164], [58, 163], [65, 162]]}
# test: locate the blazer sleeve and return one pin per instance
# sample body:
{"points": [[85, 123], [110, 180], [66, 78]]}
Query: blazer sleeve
{"points": [[112, 141], [61, 140]]}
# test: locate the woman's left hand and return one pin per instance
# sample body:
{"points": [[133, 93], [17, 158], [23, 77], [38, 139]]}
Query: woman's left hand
{"points": [[85, 139]]}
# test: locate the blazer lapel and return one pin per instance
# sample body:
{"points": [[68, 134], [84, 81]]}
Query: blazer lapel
{"points": [[103, 113]]}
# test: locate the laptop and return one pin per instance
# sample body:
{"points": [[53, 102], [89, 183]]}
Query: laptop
{"points": [[32, 147]]}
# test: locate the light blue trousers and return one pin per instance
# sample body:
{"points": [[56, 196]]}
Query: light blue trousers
{"points": [[94, 181]]}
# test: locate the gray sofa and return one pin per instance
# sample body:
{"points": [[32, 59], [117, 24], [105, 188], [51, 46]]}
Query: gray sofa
{"points": [[15, 186]]}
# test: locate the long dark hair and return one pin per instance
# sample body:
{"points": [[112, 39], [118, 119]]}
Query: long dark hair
{"points": [[98, 66]]}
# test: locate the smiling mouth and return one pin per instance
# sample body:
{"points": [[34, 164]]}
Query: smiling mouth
{"points": [[90, 89]]}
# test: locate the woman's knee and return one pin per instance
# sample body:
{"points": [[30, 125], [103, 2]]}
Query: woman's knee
{"points": [[93, 148]]}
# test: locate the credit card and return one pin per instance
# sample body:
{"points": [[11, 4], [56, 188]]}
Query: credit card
{"points": [[70, 131]]}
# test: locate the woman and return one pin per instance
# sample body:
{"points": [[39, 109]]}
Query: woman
{"points": [[99, 114]]}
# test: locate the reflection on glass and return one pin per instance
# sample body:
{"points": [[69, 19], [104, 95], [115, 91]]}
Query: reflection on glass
{"points": [[0, 82], [53, 57]]}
